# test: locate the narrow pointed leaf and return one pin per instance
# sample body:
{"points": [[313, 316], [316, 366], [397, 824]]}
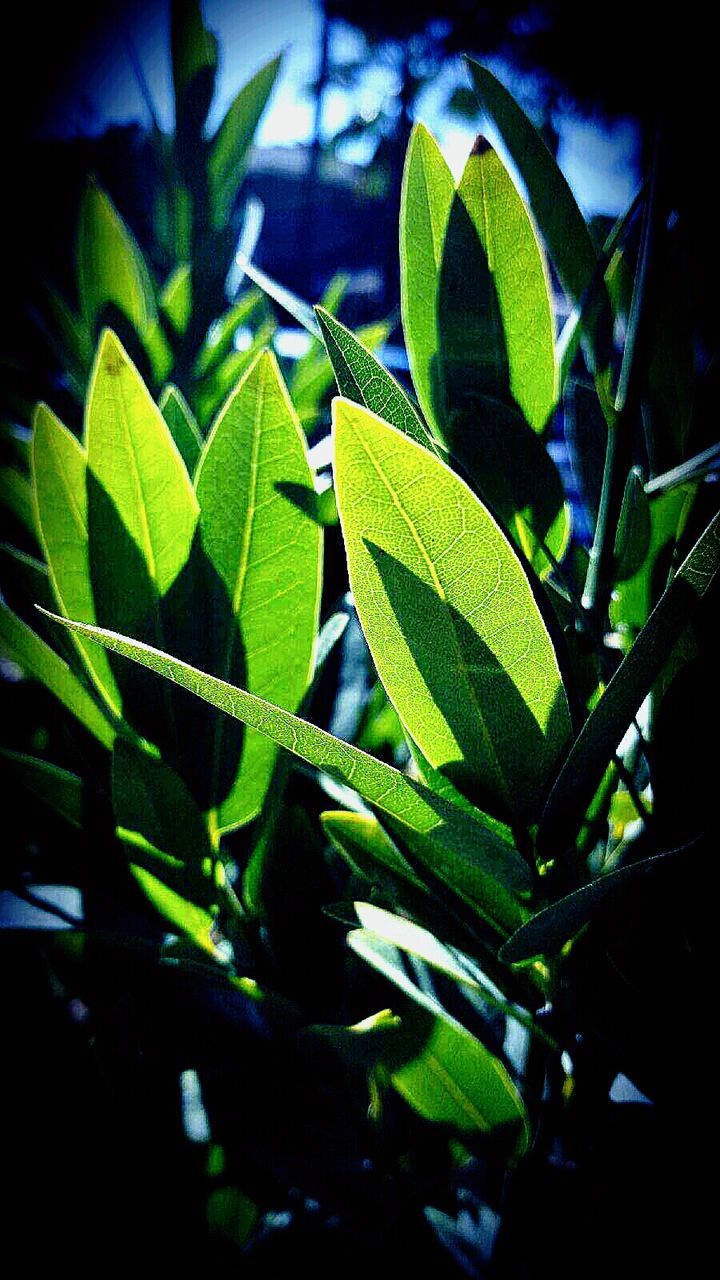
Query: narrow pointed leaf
{"points": [[183, 427], [361, 377], [40, 662], [582, 770], [232, 142], [553, 205], [59, 467], [267, 553], [453, 833], [427, 196], [449, 616], [132, 455], [110, 267], [548, 931]]}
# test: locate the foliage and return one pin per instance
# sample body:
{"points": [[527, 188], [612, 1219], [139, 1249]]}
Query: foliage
{"points": [[532, 808]]}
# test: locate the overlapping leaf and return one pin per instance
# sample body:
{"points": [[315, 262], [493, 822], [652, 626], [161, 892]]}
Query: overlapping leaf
{"points": [[449, 616]]}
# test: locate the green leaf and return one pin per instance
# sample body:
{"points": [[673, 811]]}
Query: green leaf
{"points": [[132, 455], [479, 334], [593, 748], [176, 297], [635, 596], [267, 553], [221, 335], [214, 386], [194, 52], [230, 146], [60, 790], [449, 616], [40, 662], [456, 838], [152, 801], [110, 267], [632, 538], [454, 1079], [183, 427], [551, 201], [59, 466], [509, 322], [427, 197], [548, 931], [313, 375], [182, 915], [366, 847], [362, 378]]}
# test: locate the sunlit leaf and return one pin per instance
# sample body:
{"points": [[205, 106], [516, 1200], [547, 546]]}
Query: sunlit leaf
{"points": [[59, 466], [454, 835], [449, 616], [266, 551]]}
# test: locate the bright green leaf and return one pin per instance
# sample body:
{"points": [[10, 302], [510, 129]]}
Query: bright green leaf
{"points": [[183, 915], [456, 838], [132, 455], [553, 205], [454, 1079], [449, 616], [59, 466], [267, 553]]}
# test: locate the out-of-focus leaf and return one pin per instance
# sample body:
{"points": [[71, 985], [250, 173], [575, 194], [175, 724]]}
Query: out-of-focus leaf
{"points": [[110, 266], [184, 429], [40, 662], [231, 144], [267, 552], [59, 467], [60, 790], [194, 54], [633, 680], [449, 615], [221, 336], [214, 387], [16, 497], [176, 297]]}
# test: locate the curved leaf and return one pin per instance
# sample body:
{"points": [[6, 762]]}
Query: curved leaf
{"points": [[40, 662], [449, 616], [230, 146], [453, 834], [110, 266]]}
